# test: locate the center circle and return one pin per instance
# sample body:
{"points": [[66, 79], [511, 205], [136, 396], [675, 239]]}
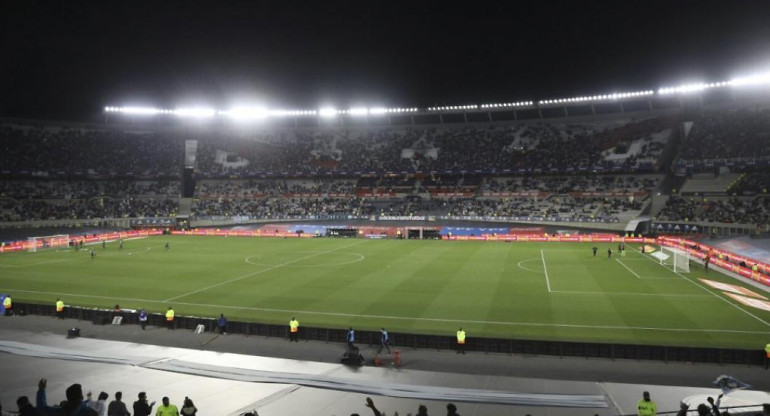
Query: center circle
{"points": [[304, 259]]}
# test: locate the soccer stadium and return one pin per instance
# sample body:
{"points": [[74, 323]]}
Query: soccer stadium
{"points": [[546, 255]]}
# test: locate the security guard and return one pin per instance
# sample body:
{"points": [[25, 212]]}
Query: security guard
{"points": [[293, 329], [59, 308], [646, 407], [767, 355], [8, 305], [460, 341], [170, 318]]}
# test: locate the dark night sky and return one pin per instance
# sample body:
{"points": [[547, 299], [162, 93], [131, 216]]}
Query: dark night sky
{"points": [[67, 59]]}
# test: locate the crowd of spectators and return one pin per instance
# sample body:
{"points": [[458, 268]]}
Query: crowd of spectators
{"points": [[59, 151], [58, 189], [127, 207], [521, 147], [78, 404], [55, 150], [727, 135], [281, 207], [562, 208], [727, 210], [274, 187], [751, 184], [567, 184]]}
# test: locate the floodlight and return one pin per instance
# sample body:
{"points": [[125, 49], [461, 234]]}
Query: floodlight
{"points": [[196, 112], [327, 112], [246, 113], [758, 79], [141, 111], [358, 111], [378, 110]]}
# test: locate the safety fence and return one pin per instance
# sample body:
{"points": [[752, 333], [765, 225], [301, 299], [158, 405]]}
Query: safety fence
{"points": [[422, 341]]}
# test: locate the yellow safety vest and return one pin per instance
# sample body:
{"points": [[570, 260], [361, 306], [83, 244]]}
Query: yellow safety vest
{"points": [[59, 306], [170, 315], [294, 325], [461, 337], [767, 350], [646, 408], [7, 302]]}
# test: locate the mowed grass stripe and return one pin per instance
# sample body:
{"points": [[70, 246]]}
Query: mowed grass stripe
{"points": [[408, 286]]}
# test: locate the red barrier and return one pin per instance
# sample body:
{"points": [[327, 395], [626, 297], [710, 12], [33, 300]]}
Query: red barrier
{"points": [[88, 239]]}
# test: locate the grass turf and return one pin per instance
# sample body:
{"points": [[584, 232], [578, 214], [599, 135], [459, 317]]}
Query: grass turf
{"points": [[552, 291]]}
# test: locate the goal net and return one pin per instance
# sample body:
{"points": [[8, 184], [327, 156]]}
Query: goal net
{"points": [[674, 258], [48, 242]]}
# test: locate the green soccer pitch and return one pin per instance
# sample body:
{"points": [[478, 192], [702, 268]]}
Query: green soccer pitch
{"points": [[545, 291]]}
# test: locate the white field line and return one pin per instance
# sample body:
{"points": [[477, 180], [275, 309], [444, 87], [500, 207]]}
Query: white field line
{"points": [[640, 277], [577, 292], [628, 268], [713, 294], [657, 295], [545, 270], [519, 264], [235, 279], [401, 318]]}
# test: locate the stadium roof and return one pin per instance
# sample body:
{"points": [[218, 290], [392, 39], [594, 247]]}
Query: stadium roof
{"points": [[70, 60]]}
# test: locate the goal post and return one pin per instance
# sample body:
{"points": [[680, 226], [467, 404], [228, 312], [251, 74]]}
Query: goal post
{"points": [[47, 242], [676, 258]]}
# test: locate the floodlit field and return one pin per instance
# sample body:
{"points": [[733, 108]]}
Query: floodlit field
{"points": [[554, 291]]}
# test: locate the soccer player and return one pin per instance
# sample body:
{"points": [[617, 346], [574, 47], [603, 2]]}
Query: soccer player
{"points": [[594, 249], [609, 253], [166, 245], [92, 254]]}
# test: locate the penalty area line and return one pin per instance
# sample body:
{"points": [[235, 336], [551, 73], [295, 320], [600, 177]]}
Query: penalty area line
{"points": [[711, 293]]}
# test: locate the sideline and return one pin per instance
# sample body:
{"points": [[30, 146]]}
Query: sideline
{"points": [[409, 318]]}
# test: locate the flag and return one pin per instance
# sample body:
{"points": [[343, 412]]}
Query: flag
{"points": [[728, 384]]}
